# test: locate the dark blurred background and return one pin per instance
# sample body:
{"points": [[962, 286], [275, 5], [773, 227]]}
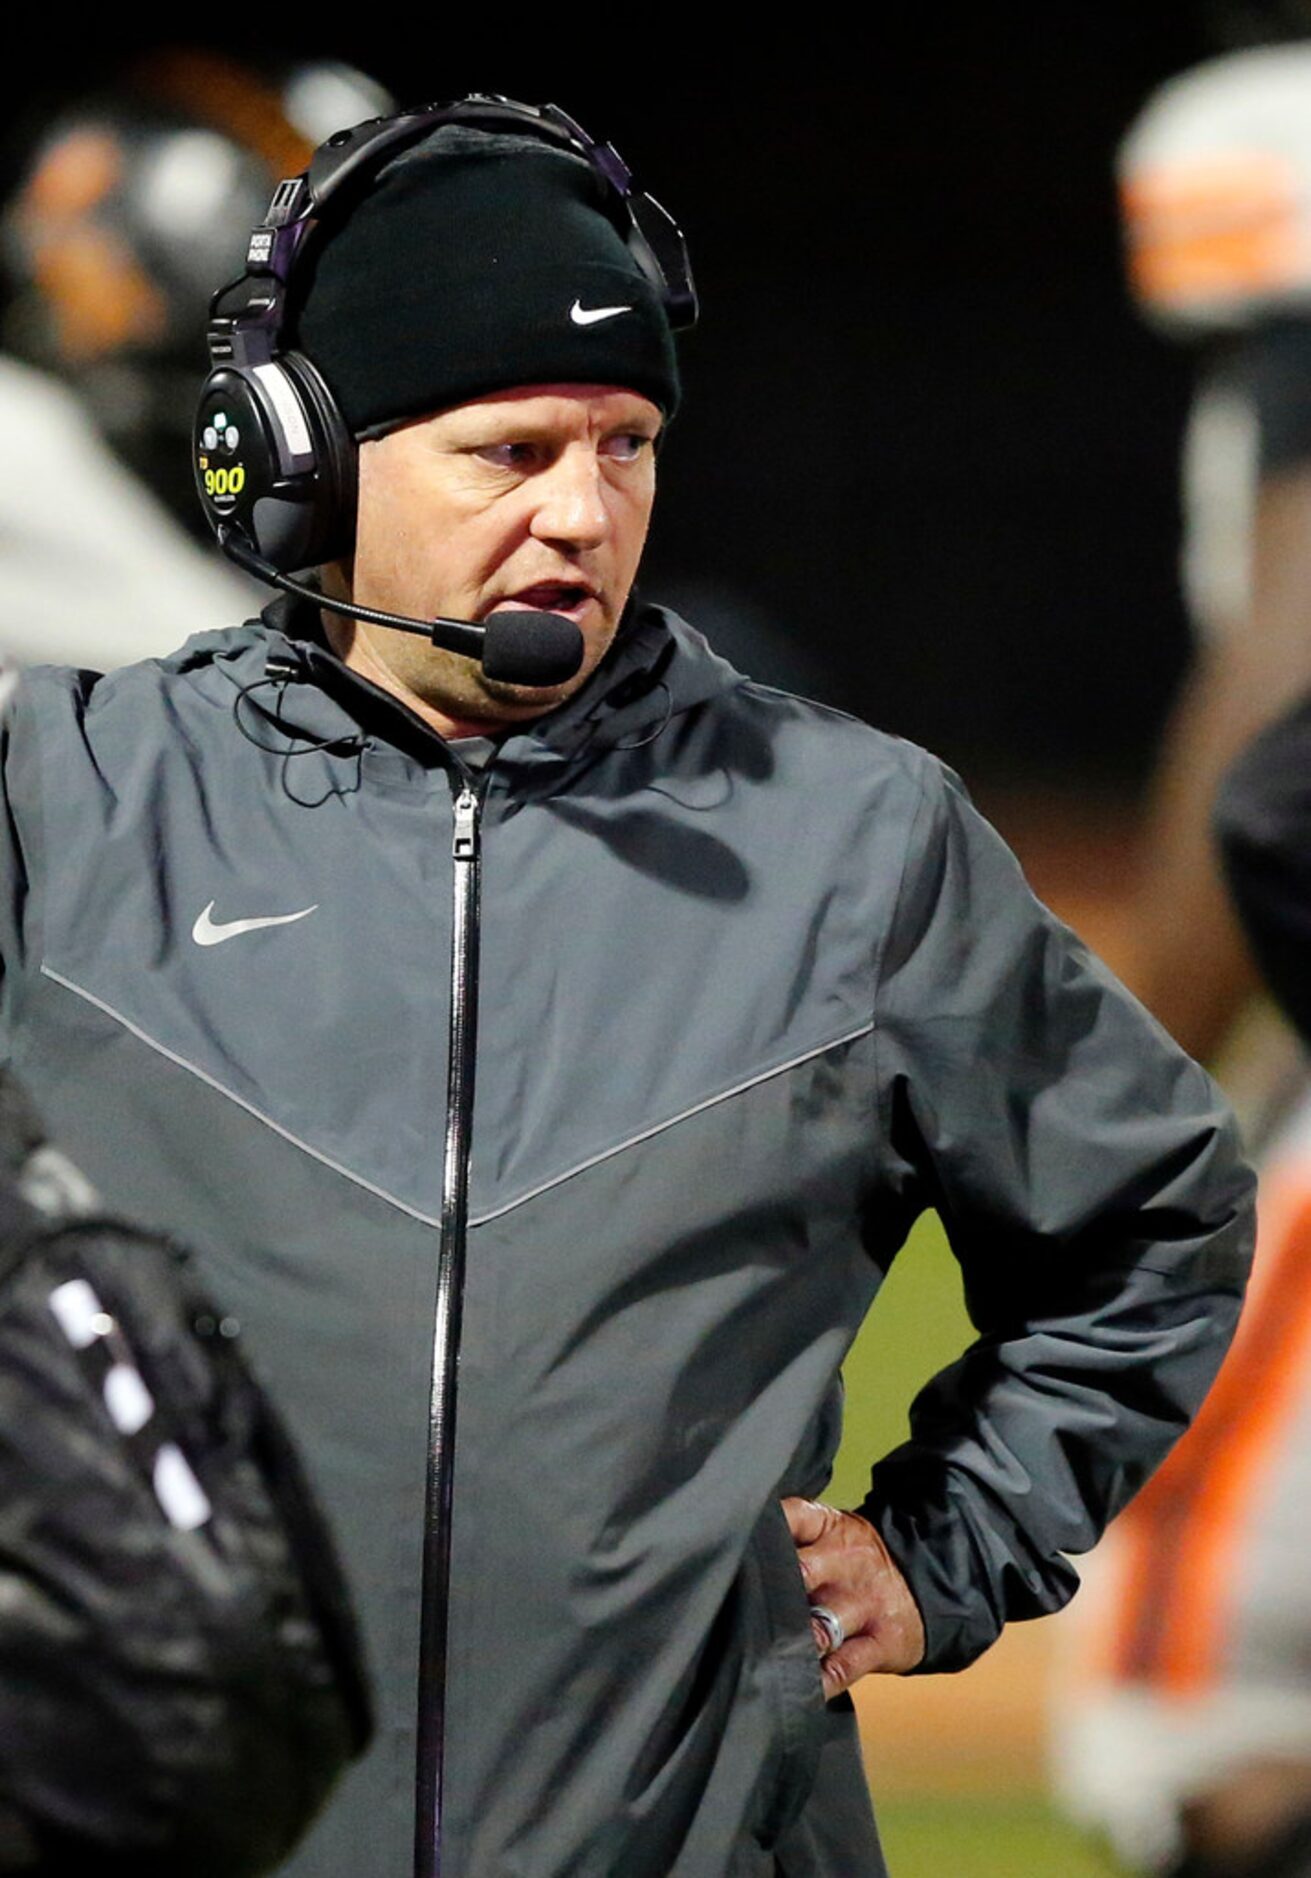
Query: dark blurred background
{"points": [[926, 445]]}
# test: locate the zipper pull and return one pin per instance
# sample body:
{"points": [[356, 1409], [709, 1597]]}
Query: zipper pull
{"points": [[465, 843]]}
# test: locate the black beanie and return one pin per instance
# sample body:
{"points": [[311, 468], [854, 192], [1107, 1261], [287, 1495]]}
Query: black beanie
{"points": [[475, 263]]}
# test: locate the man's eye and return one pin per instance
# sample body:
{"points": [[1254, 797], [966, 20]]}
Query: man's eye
{"points": [[627, 446], [515, 456]]}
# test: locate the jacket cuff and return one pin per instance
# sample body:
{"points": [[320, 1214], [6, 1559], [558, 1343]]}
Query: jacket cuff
{"points": [[968, 1566]]}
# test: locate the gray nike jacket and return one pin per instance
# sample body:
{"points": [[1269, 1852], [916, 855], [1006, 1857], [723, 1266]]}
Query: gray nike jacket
{"points": [[757, 987]]}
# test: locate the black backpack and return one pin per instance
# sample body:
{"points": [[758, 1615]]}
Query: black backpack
{"points": [[180, 1677]]}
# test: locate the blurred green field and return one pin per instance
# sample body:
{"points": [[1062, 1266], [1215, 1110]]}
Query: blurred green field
{"points": [[1007, 1831], [983, 1839], [917, 1325]]}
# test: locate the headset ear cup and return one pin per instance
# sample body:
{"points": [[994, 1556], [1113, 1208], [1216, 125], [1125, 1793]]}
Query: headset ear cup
{"points": [[275, 463], [235, 452], [336, 455]]}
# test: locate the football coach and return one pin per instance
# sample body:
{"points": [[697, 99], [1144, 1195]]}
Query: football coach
{"points": [[547, 1035]]}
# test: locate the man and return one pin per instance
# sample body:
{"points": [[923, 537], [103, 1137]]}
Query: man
{"points": [[755, 986]]}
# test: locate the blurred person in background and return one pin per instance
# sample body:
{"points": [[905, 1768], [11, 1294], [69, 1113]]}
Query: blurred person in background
{"points": [[1216, 185], [1182, 1716], [131, 204], [166, 1702]]}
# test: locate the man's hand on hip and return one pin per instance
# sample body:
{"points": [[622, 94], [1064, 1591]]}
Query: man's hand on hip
{"points": [[849, 1575]]}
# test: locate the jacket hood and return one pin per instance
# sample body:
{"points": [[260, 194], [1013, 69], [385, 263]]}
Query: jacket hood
{"points": [[658, 668]]}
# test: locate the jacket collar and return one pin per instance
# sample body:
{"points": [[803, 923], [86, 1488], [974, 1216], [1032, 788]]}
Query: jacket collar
{"points": [[657, 668]]}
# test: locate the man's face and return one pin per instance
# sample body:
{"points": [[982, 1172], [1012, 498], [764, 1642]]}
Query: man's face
{"points": [[538, 497]]}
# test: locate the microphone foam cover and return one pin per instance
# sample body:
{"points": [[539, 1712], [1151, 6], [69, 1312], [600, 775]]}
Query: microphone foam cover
{"points": [[532, 648]]}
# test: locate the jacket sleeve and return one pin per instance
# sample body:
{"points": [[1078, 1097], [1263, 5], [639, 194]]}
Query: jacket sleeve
{"points": [[1263, 821], [1089, 1180]]}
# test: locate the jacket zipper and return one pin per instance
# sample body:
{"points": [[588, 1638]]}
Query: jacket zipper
{"points": [[431, 1731]]}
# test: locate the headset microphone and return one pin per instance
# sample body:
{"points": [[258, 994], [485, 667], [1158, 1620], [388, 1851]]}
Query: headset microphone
{"points": [[519, 648]]}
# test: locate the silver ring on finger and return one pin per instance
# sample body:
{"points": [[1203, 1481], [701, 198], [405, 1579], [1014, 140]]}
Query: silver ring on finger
{"points": [[832, 1626]]}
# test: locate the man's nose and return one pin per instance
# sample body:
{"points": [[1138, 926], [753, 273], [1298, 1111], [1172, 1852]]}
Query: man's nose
{"points": [[572, 504]]}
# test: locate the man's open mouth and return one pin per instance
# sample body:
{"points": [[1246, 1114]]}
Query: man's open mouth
{"points": [[549, 596]]}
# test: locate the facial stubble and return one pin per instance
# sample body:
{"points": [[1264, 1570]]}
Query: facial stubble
{"points": [[457, 686]]}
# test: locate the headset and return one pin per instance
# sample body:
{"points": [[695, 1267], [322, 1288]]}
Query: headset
{"points": [[274, 460]]}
